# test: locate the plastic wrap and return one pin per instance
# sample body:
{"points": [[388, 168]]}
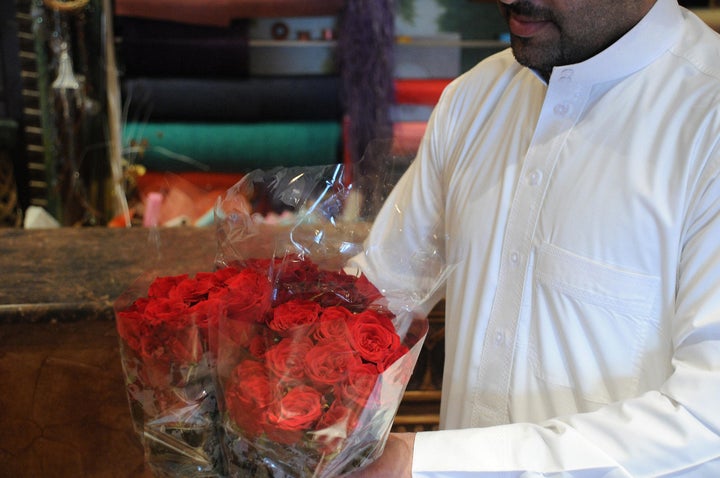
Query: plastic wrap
{"points": [[304, 360], [164, 323], [321, 360]]}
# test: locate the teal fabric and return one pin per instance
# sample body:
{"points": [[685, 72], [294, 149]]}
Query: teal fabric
{"points": [[236, 147]]}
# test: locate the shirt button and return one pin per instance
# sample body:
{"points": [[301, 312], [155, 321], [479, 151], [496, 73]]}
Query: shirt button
{"points": [[499, 337], [561, 109], [535, 177], [514, 257]]}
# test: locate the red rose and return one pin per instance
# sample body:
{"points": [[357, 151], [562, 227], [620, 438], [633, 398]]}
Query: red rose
{"points": [[294, 314], [131, 323], [180, 346], [192, 291], [183, 347], [333, 324], [165, 333], [250, 379], [359, 385], [340, 288], [336, 288], [295, 413], [327, 364], [248, 394], [295, 278], [221, 275], [238, 331], [168, 333], [240, 411], [296, 270], [167, 311], [340, 417], [392, 357], [258, 346], [166, 354], [163, 286], [286, 359], [247, 296], [373, 336], [206, 314]]}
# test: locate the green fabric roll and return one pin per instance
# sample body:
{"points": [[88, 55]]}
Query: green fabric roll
{"points": [[237, 147]]}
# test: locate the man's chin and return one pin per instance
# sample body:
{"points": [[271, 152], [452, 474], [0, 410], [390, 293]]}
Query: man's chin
{"points": [[530, 56]]}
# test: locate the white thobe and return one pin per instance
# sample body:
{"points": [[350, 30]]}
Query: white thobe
{"points": [[582, 221]]}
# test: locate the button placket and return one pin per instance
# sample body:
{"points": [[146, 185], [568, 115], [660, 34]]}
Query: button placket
{"points": [[492, 382], [497, 358]]}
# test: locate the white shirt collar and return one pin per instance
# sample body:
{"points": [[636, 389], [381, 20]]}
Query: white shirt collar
{"points": [[644, 43]]}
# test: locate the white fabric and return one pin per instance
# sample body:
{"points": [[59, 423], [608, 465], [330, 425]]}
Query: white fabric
{"points": [[583, 319]]}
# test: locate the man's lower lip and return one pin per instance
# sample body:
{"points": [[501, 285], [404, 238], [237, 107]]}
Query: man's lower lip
{"points": [[524, 28]]}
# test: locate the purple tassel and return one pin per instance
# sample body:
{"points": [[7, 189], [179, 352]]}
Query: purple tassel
{"points": [[366, 45]]}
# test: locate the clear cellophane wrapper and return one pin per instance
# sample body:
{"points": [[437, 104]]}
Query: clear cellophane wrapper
{"points": [[163, 326], [313, 359], [284, 360]]}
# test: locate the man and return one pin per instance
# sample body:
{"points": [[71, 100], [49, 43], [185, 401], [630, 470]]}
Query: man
{"points": [[574, 184]]}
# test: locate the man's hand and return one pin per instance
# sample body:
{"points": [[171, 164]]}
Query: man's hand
{"points": [[396, 460]]}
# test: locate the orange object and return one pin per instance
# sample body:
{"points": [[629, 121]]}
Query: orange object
{"points": [[407, 136], [419, 91]]}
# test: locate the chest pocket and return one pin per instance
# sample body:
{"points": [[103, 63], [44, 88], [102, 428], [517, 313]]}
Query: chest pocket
{"points": [[589, 324]]}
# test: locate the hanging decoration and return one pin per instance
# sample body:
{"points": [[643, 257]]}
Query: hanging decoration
{"points": [[71, 66], [365, 48]]}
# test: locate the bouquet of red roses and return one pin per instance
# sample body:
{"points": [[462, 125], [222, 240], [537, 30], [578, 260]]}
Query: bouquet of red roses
{"points": [[312, 362], [164, 324], [283, 361], [311, 369]]}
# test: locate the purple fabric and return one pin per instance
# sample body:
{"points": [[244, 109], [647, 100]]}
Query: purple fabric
{"points": [[365, 47]]}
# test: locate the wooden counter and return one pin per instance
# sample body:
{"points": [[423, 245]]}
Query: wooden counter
{"points": [[63, 408]]}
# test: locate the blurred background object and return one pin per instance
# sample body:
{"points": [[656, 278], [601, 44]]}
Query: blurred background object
{"points": [[10, 212], [56, 69]]}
